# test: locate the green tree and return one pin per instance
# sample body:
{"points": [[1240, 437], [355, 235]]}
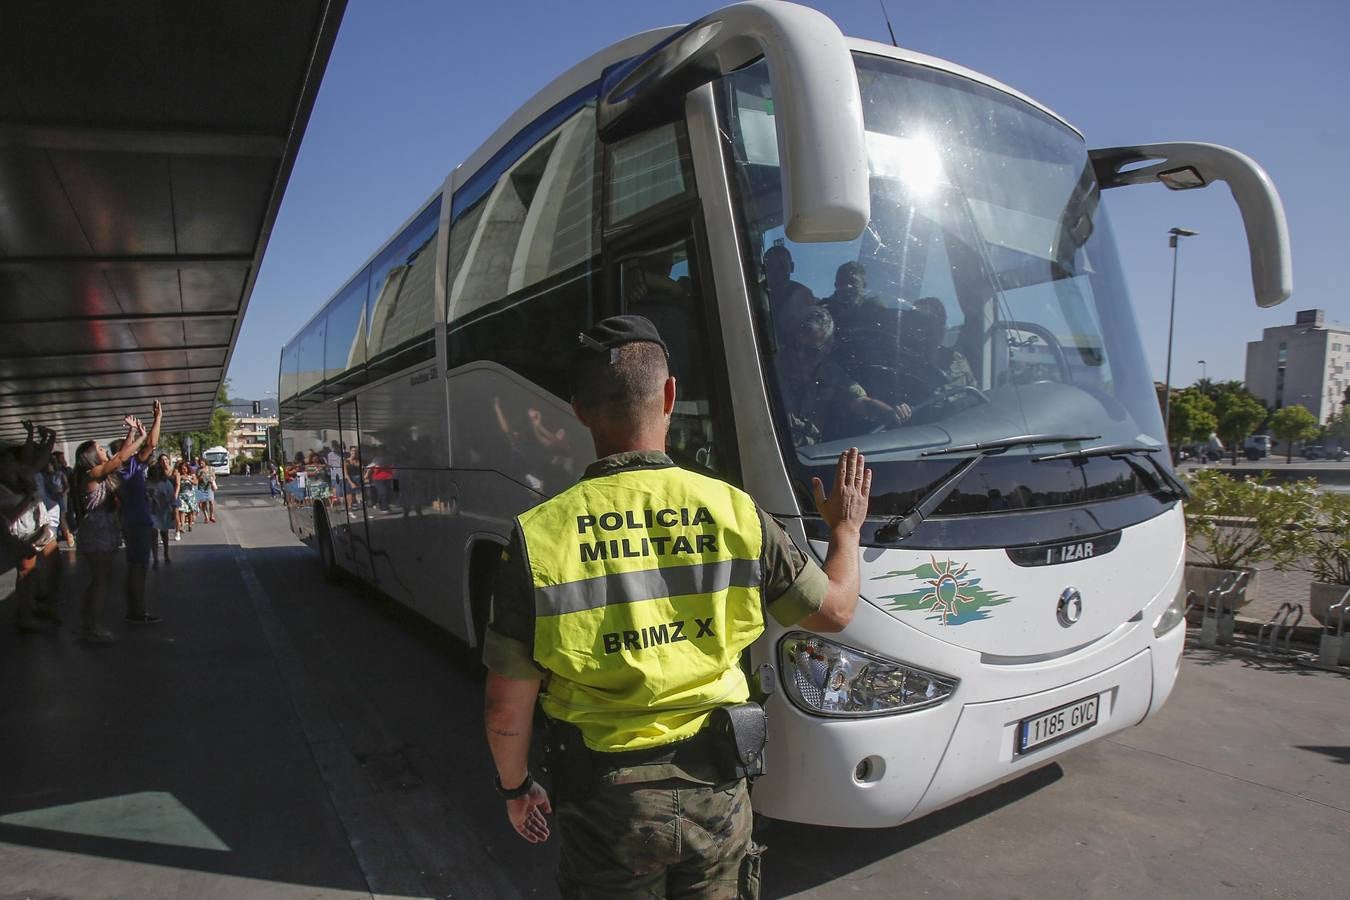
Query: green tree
{"points": [[216, 433], [1238, 411], [1192, 417], [1293, 423], [1338, 426]]}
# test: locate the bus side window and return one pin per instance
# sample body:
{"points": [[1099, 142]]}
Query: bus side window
{"points": [[663, 284]]}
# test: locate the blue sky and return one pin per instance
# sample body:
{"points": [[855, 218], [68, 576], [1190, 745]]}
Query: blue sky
{"points": [[413, 87]]}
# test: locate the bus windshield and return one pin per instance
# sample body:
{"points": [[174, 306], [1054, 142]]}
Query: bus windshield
{"points": [[983, 300]]}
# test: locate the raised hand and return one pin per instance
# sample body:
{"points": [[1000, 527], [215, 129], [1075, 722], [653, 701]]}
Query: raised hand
{"points": [[847, 506], [159, 410]]}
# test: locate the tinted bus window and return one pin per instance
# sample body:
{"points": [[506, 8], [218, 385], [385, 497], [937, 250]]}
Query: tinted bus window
{"points": [[402, 288], [288, 382], [536, 221], [345, 340], [644, 170], [534, 334], [310, 364]]}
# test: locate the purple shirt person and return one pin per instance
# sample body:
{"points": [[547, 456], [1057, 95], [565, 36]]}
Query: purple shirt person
{"points": [[134, 502], [138, 525]]}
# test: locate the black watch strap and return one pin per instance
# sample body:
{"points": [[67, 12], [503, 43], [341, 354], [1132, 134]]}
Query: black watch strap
{"points": [[513, 793]]}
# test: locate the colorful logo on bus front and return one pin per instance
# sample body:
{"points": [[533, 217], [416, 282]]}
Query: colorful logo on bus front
{"points": [[950, 593]]}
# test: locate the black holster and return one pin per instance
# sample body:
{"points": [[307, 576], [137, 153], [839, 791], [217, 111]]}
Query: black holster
{"points": [[739, 734], [732, 740]]}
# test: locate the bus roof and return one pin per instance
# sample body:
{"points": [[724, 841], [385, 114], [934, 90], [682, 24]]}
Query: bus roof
{"points": [[589, 71]]}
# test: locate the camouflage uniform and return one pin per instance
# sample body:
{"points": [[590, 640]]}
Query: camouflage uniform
{"points": [[670, 839], [665, 827]]}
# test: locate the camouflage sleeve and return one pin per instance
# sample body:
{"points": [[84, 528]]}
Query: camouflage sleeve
{"points": [[794, 584], [509, 637]]}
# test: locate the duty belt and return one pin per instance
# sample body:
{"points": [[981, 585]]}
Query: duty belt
{"points": [[699, 749]]}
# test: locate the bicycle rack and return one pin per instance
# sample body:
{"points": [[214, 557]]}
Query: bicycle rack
{"points": [[1334, 649], [1280, 622], [1220, 610], [1192, 602]]}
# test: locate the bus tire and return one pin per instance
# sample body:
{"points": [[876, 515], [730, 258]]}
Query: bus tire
{"points": [[483, 562], [323, 536]]}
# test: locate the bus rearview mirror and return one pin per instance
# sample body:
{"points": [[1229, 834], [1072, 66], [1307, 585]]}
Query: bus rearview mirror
{"points": [[818, 110], [1184, 166]]}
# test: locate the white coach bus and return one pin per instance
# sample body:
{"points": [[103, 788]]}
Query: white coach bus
{"points": [[218, 458], [844, 243]]}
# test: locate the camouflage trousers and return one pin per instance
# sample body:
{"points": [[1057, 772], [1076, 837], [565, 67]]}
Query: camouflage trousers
{"points": [[664, 840]]}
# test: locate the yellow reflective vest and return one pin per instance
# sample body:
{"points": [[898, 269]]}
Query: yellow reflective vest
{"points": [[646, 590]]}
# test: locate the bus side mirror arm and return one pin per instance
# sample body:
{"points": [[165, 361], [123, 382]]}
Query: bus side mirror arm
{"points": [[817, 106], [1183, 166]]}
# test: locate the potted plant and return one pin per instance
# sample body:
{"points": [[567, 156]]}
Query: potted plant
{"points": [[1234, 524], [1320, 546]]}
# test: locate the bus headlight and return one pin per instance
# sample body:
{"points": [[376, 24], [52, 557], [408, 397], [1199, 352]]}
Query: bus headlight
{"points": [[829, 679], [1174, 614]]}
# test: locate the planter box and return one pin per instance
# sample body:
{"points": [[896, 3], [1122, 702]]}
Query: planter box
{"points": [[1202, 579], [1322, 596]]}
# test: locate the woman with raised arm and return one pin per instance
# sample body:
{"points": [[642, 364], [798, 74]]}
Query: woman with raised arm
{"points": [[100, 530]]}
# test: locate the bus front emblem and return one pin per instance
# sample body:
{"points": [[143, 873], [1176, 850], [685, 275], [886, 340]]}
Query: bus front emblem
{"points": [[1070, 607]]}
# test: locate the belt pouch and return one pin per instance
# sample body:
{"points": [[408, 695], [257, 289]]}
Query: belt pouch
{"points": [[741, 731]]}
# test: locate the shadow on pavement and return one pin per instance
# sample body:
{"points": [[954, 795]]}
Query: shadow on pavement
{"points": [[176, 746], [809, 856], [1335, 754]]}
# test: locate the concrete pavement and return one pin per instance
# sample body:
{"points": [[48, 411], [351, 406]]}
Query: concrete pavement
{"points": [[279, 736]]}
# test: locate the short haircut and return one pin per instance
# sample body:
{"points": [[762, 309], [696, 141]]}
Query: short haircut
{"points": [[623, 392]]}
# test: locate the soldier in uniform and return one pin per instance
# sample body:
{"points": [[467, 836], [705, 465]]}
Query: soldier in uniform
{"points": [[823, 402], [622, 605]]}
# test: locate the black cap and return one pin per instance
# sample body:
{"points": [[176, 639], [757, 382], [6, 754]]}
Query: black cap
{"points": [[608, 335]]}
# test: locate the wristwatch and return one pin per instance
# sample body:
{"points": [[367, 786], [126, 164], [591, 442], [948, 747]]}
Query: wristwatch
{"points": [[513, 793]]}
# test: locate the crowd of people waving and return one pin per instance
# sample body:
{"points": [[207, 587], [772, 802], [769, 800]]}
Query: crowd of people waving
{"points": [[124, 496]]}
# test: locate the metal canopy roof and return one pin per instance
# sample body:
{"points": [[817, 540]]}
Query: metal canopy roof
{"points": [[144, 150]]}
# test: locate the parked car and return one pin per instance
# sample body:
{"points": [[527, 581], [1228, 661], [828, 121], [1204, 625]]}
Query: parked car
{"points": [[1314, 451], [1256, 446]]}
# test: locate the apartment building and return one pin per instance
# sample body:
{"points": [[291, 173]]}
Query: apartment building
{"points": [[1306, 363], [249, 435]]}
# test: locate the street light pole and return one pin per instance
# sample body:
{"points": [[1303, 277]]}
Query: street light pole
{"points": [[1204, 372], [1171, 319]]}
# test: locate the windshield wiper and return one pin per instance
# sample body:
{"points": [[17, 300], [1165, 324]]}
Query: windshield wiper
{"points": [[1103, 450], [1156, 472], [1022, 440], [897, 528]]}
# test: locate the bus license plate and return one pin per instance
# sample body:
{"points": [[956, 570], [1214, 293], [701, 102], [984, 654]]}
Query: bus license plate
{"points": [[1057, 723]]}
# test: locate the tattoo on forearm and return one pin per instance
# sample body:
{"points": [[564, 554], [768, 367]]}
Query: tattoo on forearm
{"points": [[503, 733]]}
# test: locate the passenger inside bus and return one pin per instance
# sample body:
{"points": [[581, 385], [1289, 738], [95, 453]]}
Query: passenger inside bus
{"points": [[927, 370], [824, 402], [866, 332], [789, 300]]}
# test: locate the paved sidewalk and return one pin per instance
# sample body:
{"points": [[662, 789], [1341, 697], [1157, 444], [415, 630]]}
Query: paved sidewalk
{"points": [[168, 764]]}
